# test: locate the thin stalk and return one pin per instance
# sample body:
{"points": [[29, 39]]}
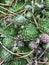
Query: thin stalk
{"points": [[2, 12]]}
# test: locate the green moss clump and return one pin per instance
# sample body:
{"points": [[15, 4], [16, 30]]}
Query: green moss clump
{"points": [[6, 56], [10, 31], [29, 32], [16, 62], [44, 25], [7, 42], [47, 3], [46, 13]]}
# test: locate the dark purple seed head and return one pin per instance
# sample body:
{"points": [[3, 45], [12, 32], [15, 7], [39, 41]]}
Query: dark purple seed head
{"points": [[45, 59], [7, 20], [44, 38]]}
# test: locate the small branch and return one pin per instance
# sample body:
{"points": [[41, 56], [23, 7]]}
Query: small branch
{"points": [[27, 54], [11, 2], [1, 4], [43, 62], [8, 26], [20, 7], [8, 5], [9, 50], [6, 9], [2, 12], [42, 54], [39, 5], [35, 21], [1, 62], [17, 54], [37, 25]]}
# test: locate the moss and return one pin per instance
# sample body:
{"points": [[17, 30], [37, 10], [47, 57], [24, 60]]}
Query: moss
{"points": [[29, 32], [7, 42], [16, 62], [46, 13], [47, 3], [10, 31], [44, 25], [6, 56]]}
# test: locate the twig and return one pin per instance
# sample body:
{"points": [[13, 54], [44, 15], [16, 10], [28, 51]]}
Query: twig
{"points": [[1, 62], [9, 50], [15, 3], [2, 12], [43, 62], [4, 4], [27, 54], [20, 7], [28, 60], [8, 26], [37, 25], [18, 54], [36, 62], [6, 9], [42, 54], [35, 21], [11, 2]]}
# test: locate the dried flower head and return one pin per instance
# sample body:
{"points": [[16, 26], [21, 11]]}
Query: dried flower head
{"points": [[32, 44], [44, 38]]}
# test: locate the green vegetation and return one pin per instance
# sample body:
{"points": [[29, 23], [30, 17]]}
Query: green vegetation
{"points": [[24, 32]]}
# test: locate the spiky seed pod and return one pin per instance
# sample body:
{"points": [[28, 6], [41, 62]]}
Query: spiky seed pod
{"points": [[32, 44], [29, 32], [44, 24], [7, 42], [44, 38], [47, 3], [6, 56]]}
